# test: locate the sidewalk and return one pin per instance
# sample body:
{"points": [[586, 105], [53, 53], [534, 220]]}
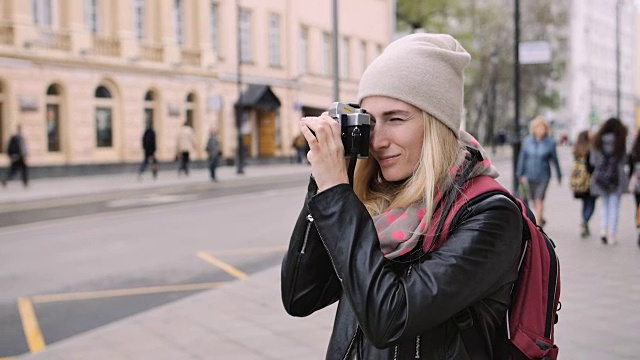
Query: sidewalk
{"points": [[54, 188], [245, 319]]}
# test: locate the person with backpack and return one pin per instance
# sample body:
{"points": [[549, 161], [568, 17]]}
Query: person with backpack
{"points": [[149, 147], [634, 177], [581, 180], [609, 180], [420, 254], [17, 151], [537, 153]]}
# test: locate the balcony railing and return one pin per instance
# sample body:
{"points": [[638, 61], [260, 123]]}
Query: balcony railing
{"points": [[106, 46], [191, 57], [151, 52], [51, 39]]}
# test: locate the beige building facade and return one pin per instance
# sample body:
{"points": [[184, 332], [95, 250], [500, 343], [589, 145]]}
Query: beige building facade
{"points": [[83, 78]]}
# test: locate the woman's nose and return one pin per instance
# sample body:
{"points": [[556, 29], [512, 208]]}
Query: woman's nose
{"points": [[379, 139]]}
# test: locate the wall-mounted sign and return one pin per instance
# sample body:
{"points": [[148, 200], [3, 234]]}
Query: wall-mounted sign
{"points": [[534, 52], [174, 110], [28, 103]]}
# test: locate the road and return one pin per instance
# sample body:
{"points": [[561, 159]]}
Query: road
{"points": [[101, 259]]}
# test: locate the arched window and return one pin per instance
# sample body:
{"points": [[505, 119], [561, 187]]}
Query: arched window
{"points": [[149, 102], [190, 109], [52, 118], [104, 117]]}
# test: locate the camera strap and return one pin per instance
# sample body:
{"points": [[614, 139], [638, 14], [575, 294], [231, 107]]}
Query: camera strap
{"points": [[356, 136]]}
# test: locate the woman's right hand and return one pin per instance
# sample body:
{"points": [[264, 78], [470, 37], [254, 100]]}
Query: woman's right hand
{"points": [[326, 152], [522, 179]]}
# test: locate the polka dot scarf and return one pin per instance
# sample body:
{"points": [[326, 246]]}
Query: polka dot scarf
{"points": [[399, 230]]}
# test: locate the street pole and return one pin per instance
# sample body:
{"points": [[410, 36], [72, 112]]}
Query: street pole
{"points": [[238, 107], [336, 59], [516, 92], [618, 74]]}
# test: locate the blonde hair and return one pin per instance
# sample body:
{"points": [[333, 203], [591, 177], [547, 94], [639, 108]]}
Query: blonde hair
{"points": [[439, 151], [539, 120]]}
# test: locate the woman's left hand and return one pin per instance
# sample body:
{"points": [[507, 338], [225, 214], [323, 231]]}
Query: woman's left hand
{"points": [[326, 152]]}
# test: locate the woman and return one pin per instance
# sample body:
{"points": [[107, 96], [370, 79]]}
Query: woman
{"points": [[538, 151], [634, 172], [581, 156], [365, 247], [609, 180]]}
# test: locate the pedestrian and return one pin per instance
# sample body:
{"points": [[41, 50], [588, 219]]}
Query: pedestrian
{"points": [[185, 145], [149, 149], [17, 151], [213, 152], [300, 146], [537, 153], [634, 183], [581, 180], [609, 180], [360, 245]]}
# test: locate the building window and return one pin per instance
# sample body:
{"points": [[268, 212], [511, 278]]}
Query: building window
{"points": [[53, 118], [344, 57], [104, 117], [42, 13], [214, 31], [190, 109], [245, 36], [303, 52], [178, 12], [363, 56], [326, 53], [2, 149], [139, 18], [91, 15], [274, 40], [149, 106]]}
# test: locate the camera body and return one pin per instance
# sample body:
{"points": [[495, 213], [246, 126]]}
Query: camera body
{"points": [[355, 125]]}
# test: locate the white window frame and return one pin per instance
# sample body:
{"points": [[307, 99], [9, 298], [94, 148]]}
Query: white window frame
{"points": [[274, 40], [246, 55], [344, 57], [178, 17], [44, 13], [214, 26], [92, 15], [303, 50], [139, 18], [326, 53], [363, 56]]}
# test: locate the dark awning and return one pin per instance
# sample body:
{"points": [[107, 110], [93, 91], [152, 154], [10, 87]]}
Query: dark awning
{"points": [[259, 97]]}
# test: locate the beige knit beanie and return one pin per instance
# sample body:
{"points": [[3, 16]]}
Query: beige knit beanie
{"points": [[424, 70]]}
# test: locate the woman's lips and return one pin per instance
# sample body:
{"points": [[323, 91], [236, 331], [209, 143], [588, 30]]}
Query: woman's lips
{"points": [[387, 160]]}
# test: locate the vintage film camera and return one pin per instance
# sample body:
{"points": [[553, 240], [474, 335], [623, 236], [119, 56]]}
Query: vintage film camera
{"points": [[356, 125]]}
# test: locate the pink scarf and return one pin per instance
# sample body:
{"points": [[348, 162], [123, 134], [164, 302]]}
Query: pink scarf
{"points": [[399, 229]]}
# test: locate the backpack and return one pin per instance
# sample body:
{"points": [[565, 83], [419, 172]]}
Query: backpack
{"points": [[14, 147], [606, 176], [580, 181], [529, 324]]}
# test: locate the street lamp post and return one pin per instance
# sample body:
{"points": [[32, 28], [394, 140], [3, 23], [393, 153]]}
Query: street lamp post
{"points": [[238, 107], [336, 59], [516, 91], [618, 75]]}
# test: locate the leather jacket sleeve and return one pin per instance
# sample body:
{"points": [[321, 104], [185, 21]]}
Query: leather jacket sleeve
{"points": [[389, 307], [308, 281]]}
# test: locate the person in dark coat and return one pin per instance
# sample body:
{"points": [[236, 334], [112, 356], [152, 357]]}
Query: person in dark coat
{"points": [[213, 153], [582, 154], [609, 151], [149, 148], [361, 246], [17, 151]]}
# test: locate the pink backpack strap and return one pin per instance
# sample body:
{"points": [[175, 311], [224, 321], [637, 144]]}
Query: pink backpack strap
{"points": [[471, 189]]}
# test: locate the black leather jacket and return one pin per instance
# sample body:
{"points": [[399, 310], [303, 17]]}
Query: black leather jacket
{"points": [[401, 310]]}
